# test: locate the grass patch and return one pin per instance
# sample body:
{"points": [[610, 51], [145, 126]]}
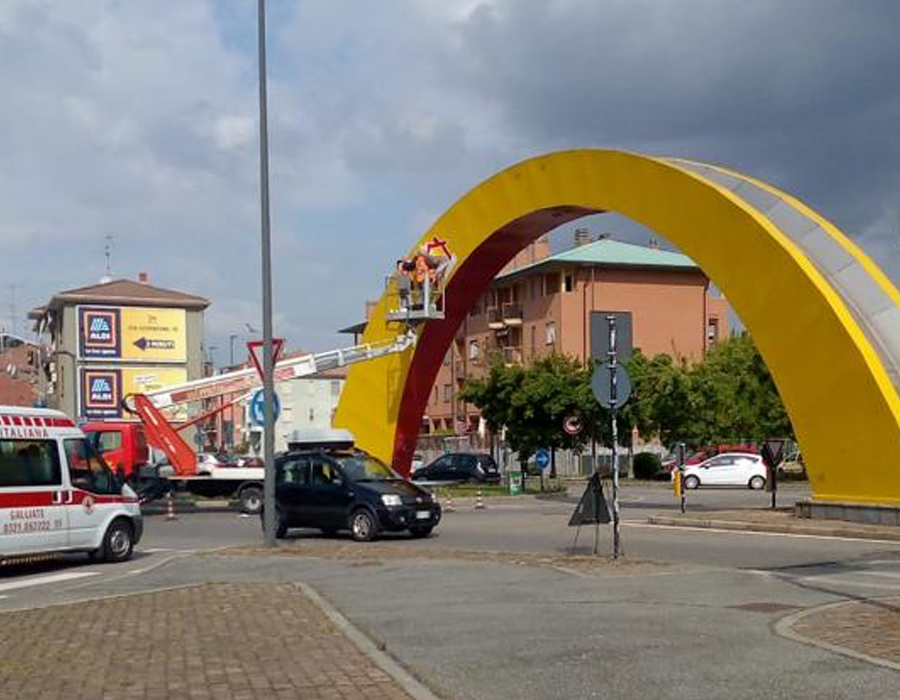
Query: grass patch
{"points": [[532, 487]]}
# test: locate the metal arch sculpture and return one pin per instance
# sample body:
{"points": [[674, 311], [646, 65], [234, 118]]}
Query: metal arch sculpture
{"points": [[824, 317]]}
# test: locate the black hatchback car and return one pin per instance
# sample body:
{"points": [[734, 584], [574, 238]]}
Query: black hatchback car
{"points": [[460, 466], [336, 490]]}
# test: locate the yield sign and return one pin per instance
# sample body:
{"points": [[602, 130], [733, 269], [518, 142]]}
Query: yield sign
{"points": [[255, 347]]}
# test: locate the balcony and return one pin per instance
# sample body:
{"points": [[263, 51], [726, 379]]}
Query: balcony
{"points": [[511, 355], [512, 314], [495, 319]]}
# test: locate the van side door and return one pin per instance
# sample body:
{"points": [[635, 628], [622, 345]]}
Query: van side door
{"points": [[292, 489], [33, 515], [96, 493]]}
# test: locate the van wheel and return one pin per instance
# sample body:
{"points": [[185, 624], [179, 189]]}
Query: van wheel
{"points": [[251, 500], [118, 543], [363, 527]]}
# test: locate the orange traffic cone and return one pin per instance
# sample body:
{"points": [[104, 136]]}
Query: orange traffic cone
{"points": [[479, 501], [170, 507]]}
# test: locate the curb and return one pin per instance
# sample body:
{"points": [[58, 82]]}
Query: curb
{"points": [[785, 628], [784, 528], [374, 651]]}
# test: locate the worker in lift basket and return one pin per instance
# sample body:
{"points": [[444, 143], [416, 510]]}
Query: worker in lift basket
{"points": [[405, 269]]}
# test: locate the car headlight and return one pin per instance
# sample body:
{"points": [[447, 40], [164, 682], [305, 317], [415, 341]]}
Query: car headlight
{"points": [[391, 500]]}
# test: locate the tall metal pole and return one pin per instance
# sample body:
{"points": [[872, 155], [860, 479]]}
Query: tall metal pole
{"points": [[268, 379], [613, 406]]}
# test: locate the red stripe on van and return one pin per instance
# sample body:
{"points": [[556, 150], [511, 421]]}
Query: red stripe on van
{"points": [[17, 420], [26, 499], [62, 423], [5, 420]]}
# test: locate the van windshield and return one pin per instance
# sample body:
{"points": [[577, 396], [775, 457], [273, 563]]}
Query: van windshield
{"points": [[359, 467]]}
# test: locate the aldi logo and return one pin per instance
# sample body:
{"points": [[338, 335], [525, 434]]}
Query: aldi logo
{"points": [[101, 393], [99, 332]]}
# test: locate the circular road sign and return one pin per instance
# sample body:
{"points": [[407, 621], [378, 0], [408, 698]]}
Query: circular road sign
{"points": [[542, 457], [600, 385], [258, 407], [572, 425]]}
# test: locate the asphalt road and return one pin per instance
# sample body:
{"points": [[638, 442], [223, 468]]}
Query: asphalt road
{"points": [[698, 625]]}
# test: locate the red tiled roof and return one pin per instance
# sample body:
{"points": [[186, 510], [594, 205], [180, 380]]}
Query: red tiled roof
{"points": [[123, 291]]}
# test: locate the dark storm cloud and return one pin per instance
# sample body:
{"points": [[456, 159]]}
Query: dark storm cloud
{"points": [[801, 92]]}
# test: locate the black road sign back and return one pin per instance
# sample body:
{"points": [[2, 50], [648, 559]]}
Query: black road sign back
{"points": [[592, 506], [600, 335]]}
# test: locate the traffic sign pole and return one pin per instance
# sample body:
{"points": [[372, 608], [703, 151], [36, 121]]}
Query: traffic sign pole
{"points": [[613, 405]]}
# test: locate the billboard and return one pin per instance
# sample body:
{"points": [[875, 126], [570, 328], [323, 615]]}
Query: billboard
{"points": [[131, 333], [103, 388]]}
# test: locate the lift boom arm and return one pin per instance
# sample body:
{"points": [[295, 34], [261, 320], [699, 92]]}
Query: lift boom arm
{"points": [[160, 432]]}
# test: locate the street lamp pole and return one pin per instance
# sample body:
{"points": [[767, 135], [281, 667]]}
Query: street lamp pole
{"points": [[268, 379], [231, 339]]}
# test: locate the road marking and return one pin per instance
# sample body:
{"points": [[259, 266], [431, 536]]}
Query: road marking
{"points": [[837, 580], [884, 574], [41, 580], [155, 550], [795, 535]]}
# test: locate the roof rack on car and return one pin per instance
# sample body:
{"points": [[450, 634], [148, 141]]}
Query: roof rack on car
{"points": [[320, 439]]}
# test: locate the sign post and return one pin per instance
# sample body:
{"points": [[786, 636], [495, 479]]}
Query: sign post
{"points": [[612, 387], [772, 454]]}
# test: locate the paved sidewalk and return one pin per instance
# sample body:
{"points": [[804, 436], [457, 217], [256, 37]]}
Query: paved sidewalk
{"points": [[779, 520], [228, 641], [867, 629]]}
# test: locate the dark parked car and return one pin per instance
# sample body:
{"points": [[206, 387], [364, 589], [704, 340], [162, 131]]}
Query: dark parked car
{"points": [[350, 490], [460, 466]]}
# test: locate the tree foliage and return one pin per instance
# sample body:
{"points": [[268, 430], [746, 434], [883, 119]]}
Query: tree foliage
{"points": [[729, 396]]}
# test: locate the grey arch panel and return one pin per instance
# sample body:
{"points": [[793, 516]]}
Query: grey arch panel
{"points": [[871, 306]]}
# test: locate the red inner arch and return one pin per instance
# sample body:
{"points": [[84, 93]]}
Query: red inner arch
{"points": [[467, 285]]}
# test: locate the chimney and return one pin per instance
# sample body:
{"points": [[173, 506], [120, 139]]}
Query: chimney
{"points": [[143, 278], [582, 237], [654, 244]]}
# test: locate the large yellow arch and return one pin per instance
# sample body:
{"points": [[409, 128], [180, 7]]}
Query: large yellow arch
{"points": [[794, 283]]}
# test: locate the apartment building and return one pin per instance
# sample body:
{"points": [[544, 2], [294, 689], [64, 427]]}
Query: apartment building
{"points": [[542, 303]]}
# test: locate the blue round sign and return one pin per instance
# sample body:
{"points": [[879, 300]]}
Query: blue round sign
{"points": [[258, 407], [542, 457]]}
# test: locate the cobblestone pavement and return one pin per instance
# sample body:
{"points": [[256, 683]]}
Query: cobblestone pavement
{"points": [[228, 641], [870, 627]]}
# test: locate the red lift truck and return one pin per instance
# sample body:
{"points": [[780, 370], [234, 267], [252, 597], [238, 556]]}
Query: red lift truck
{"points": [[124, 444]]}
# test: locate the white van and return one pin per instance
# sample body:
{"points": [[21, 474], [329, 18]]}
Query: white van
{"points": [[57, 494]]}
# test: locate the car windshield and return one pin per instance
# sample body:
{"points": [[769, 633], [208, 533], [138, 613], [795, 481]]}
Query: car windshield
{"points": [[359, 467]]}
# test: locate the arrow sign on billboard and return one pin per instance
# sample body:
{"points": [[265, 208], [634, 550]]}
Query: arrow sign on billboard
{"points": [[144, 343]]}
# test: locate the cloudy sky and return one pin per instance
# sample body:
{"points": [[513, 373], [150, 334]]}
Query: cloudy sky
{"points": [[137, 119]]}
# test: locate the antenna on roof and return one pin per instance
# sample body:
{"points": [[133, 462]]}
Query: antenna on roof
{"points": [[12, 309], [107, 251]]}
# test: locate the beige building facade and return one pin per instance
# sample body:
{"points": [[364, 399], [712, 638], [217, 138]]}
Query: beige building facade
{"points": [[101, 342]]}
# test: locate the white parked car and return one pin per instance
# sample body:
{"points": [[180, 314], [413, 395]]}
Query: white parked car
{"points": [[727, 469]]}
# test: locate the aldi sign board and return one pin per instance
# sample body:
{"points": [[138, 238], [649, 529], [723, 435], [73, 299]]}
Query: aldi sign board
{"points": [[101, 393], [103, 388], [99, 333], [132, 334]]}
